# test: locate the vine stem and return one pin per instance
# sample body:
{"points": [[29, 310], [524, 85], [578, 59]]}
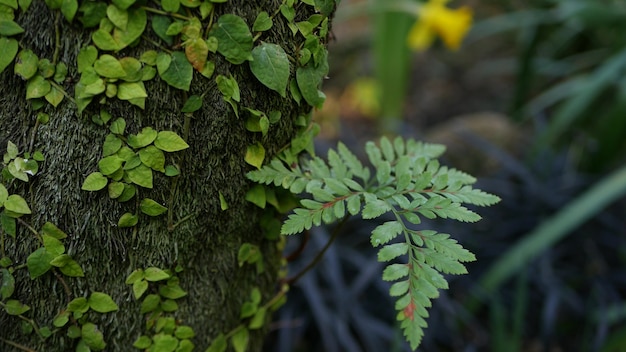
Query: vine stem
{"points": [[57, 86], [30, 228], [159, 12], [29, 321], [320, 255], [17, 345]]}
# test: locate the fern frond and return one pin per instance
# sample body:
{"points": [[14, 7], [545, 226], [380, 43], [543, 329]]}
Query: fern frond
{"points": [[409, 183]]}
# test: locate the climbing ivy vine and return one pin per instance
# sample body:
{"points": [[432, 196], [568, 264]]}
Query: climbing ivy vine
{"points": [[190, 37]]}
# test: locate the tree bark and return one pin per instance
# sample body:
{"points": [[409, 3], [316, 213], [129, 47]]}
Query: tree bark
{"points": [[206, 240]]}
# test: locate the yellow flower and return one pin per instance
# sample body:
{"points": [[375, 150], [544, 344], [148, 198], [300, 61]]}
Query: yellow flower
{"points": [[436, 19]]}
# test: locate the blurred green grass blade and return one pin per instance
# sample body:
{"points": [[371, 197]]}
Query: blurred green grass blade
{"points": [[574, 107], [391, 55], [554, 229]]}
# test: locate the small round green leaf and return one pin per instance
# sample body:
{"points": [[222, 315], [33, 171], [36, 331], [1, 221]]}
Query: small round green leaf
{"points": [[16, 204], [93, 337], [141, 176], [14, 307], [262, 22], [143, 138], [94, 182], [169, 141], [153, 157], [151, 208], [143, 342], [8, 53], [255, 154], [127, 220], [102, 303], [37, 87], [155, 274], [108, 66]]}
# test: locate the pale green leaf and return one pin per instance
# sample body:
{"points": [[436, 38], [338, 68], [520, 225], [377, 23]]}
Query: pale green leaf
{"points": [[169, 141], [102, 302], [94, 182]]}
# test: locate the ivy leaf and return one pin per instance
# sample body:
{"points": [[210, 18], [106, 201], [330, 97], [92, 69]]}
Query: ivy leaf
{"points": [[240, 339], [37, 87], [141, 176], [108, 66], [110, 164], [69, 8], [309, 79], [155, 274], [263, 22], [219, 344], [86, 57], [53, 246], [17, 205], [38, 262], [93, 337], [127, 220], [4, 194], [8, 224], [197, 50], [68, 266], [270, 65], [193, 103], [94, 182], [131, 90], [50, 229], [151, 208], [234, 39], [179, 72], [14, 307], [117, 16], [169, 141], [10, 47], [143, 342], [104, 40], [137, 20], [255, 155], [102, 303], [164, 342], [172, 292], [9, 28], [54, 96], [153, 157], [7, 284]]}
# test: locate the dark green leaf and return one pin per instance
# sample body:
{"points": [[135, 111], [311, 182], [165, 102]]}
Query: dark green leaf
{"points": [[14, 307], [270, 65], [93, 337], [179, 72], [38, 262], [234, 38], [7, 285], [9, 51]]}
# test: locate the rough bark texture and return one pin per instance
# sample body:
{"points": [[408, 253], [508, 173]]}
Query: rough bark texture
{"points": [[206, 244]]}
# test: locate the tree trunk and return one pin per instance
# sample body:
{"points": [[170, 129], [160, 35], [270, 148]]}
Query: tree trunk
{"points": [[198, 235]]}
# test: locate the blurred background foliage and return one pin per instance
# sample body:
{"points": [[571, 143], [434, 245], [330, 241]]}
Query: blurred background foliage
{"points": [[534, 103]]}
